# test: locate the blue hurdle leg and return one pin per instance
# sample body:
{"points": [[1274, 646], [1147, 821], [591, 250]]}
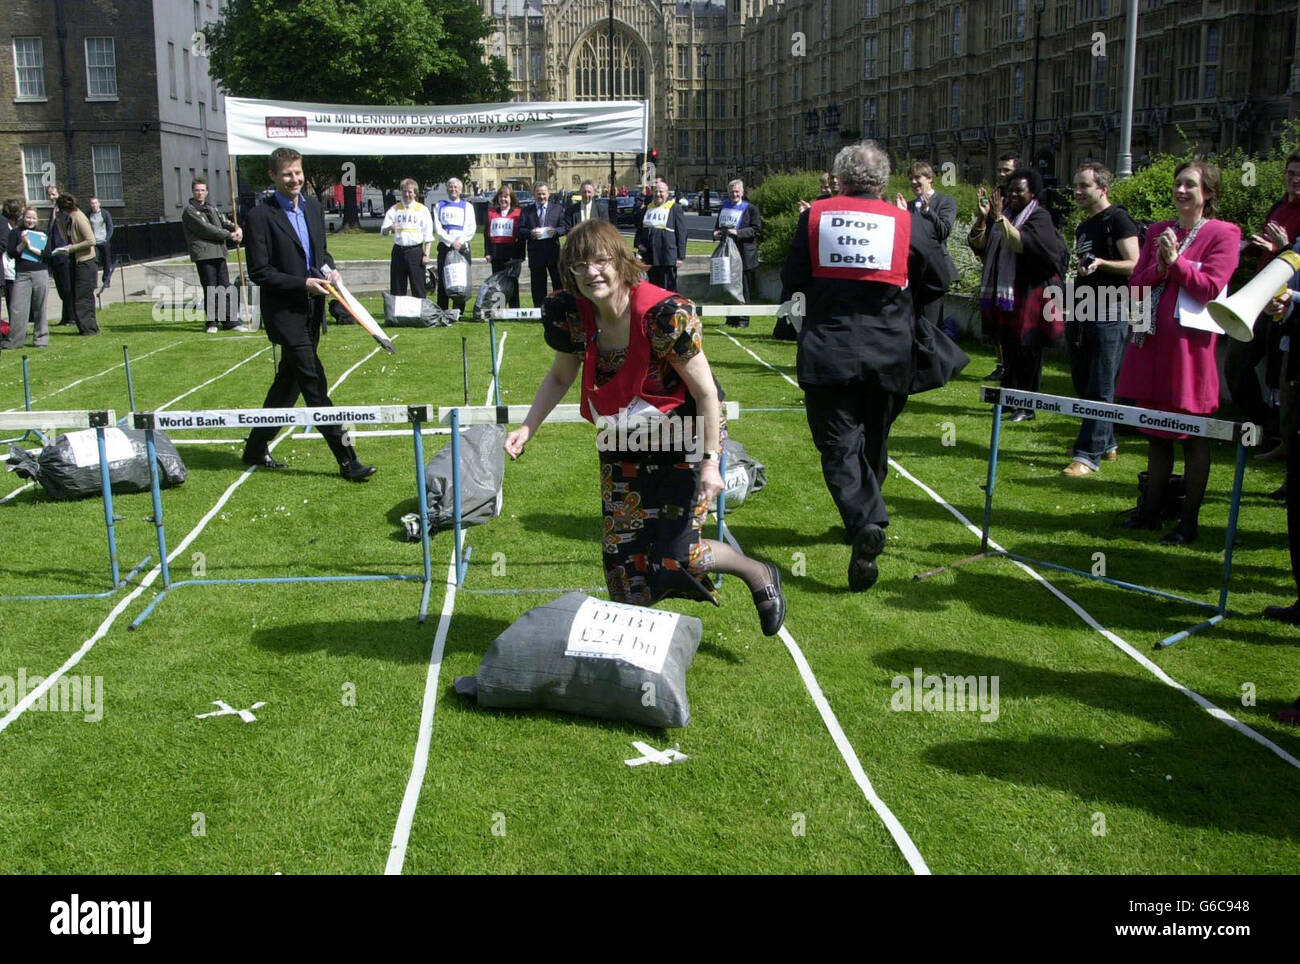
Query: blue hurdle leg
{"points": [[422, 494], [106, 488], [991, 482], [156, 492], [455, 496], [1234, 508]]}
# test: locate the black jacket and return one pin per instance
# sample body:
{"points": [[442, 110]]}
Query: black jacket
{"points": [[278, 264], [543, 250], [662, 247], [862, 330], [572, 213], [747, 234]]}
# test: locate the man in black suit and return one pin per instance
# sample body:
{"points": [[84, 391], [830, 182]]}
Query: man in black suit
{"points": [[586, 207], [543, 225], [857, 260], [938, 212], [660, 241], [285, 238]]}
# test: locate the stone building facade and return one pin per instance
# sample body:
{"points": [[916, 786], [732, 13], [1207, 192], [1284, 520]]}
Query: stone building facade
{"points": [[952, 81]]}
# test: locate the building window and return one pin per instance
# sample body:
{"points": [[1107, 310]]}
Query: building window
{"points": [[771, 92], [826, 75], [203, 130], [1019, 90], [1099, 84], [212, 87], [826, 19], [796, 84], [869, 58], [1020, 19], [684, 143], [699, 105], [35, 157], [171, 69], [869, 117], [1188, 63], [902, 113], [771, 36], [771, 135], [106, 159], [591, 73], [101, 68], [955, 120], [719, 144], [956, 31], [907, 48], [683, 70], [871, 8], [699, 144], [29, 68], [719, 103], [1211, 61]]}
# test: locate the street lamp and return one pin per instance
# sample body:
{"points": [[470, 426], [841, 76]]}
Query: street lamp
{"points": [[1039, 7], [704, 60], [810, 132]]}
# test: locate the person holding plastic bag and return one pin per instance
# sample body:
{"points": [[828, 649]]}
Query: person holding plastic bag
{"points": [[453, 223], [741, 221], [638, 347], [502, 237]]}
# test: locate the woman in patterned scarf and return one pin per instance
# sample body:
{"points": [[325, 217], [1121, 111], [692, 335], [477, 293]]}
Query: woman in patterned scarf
{"points": [[645, 378]]}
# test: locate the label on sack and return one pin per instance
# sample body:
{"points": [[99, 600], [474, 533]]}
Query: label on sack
{"points": [[85, 449], [407, 306], [610, 630], [455, 274], [720, 270], [737, 483]]}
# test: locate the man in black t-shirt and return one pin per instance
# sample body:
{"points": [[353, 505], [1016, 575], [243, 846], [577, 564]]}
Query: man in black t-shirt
{"points": [[1106, 245]]}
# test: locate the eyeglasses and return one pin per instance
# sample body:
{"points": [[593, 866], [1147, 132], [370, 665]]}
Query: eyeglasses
{"points": [[580, 268]]}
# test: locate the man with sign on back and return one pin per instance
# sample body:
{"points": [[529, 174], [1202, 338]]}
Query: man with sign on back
{"points": [[855, 259]]}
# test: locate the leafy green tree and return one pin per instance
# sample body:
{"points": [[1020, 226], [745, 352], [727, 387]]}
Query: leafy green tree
{"points": [[381, 52]]}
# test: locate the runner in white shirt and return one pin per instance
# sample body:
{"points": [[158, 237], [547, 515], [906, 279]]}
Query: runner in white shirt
{"points": [[411, 225], [454, 224]]}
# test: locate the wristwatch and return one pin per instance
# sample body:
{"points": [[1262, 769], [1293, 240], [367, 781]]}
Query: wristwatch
{"points": [[711, 456]]}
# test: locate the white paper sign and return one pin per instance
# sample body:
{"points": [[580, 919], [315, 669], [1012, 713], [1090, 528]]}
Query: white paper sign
{"points": [[855, 239], [656, 217], [729, 218], [633, 634], [1192, 314], [719, 271], [455, 274], [451, 216], [502, 227], [85, 448]]}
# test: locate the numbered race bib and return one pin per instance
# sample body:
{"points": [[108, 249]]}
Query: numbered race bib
{"points": [[502, 228], [451, 217], [656, 218], [633, 634], [729, 218], [855, 239]]}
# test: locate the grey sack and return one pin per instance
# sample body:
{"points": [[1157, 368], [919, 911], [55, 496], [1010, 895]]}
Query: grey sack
{"points": [[412, 312], [482, 466], [726, 272], [745, 474], [68, 468], [565, 656]]}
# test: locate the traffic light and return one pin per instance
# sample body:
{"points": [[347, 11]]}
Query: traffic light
{"points": [[654, 157]]}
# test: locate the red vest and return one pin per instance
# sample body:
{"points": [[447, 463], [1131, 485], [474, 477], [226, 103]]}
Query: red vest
{"points": [[859, 239], [630, 381], [513, 216]]}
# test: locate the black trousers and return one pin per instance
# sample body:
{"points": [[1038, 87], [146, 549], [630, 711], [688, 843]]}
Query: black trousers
{"points": [[537, 275], [218, 293], [442, 260], [105, 260], [1022, 365], [850, 425], [300, 373], [407, 263], [664, 276], [1293, 508], [61, 273], [83, 297]]}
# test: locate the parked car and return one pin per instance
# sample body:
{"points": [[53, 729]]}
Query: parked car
{"points": [[628, 210], [714, 202]]}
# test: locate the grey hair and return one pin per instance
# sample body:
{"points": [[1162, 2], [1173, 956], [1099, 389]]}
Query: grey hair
{"points": [[586, 183], [733, 182], [862, 168], [539, 185]]}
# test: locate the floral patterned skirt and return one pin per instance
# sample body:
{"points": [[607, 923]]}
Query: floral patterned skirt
{"points": [[653, 547]]}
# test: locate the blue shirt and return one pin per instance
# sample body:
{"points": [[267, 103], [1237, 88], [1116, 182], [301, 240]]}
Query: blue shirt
{"points": [[298, 221]]}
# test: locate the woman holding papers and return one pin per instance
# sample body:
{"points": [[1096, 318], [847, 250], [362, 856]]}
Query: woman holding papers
{"points": [[1170, 366], [26, 249], [645, 377]]}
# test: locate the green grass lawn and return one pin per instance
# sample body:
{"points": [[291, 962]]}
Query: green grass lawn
{"points": [[1084, 733], [367, 245]]}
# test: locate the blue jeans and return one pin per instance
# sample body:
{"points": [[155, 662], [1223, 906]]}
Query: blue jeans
{"points": [[1096, 348]]}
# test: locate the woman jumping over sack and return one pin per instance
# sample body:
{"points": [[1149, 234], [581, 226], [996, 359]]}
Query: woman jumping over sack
{"points": [[638, 348]]}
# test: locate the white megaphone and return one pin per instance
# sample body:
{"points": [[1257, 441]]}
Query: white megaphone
{"points": [[1236, 314]]}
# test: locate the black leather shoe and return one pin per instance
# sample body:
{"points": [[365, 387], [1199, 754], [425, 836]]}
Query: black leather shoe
{"points": [[996, 374], [1179, 535], [356, 471], [1279, 493], [773, 616], [1136, 520], [264, 462], [867, 545], [1284, 614], [1023, 415]]}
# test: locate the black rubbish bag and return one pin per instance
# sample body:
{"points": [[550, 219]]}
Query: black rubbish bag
{"points": [[482, 467], [412, 312], [68, 468], [501, 288], [745, 474], [596, 658]]}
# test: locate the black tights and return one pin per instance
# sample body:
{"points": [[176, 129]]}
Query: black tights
{"points": [[1196, 473]]}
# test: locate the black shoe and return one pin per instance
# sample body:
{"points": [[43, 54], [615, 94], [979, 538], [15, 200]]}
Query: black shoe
{"points": [[263, 461], [1279, 493], [737, 322], [1180, 535], [1023, 415], [996, 374], [773, 616], [867, 545], [1137, 519], [1285, 614], [356, 471]]}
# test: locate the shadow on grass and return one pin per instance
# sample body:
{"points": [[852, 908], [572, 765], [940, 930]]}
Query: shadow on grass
{"points": [[1205, 791], [399, 639]]}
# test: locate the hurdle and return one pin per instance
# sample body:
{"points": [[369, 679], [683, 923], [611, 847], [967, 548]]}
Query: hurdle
{"points": [[1120, 415], [50, 422], [414, 415], [27, 407]]}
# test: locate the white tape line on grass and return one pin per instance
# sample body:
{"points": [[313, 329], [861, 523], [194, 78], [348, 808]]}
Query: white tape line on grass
{"points": [[761, 361], [307, 433], [411, 798], [21, 488], [1221, 715], [850, 756], [187, 394], [87, 378], [150, 577]]}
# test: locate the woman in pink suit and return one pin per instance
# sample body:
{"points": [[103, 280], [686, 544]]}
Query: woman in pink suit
{"points": [[1171, 367]]}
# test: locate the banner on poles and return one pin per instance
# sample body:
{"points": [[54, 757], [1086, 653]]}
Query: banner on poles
{"points": [[260, 126]]}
